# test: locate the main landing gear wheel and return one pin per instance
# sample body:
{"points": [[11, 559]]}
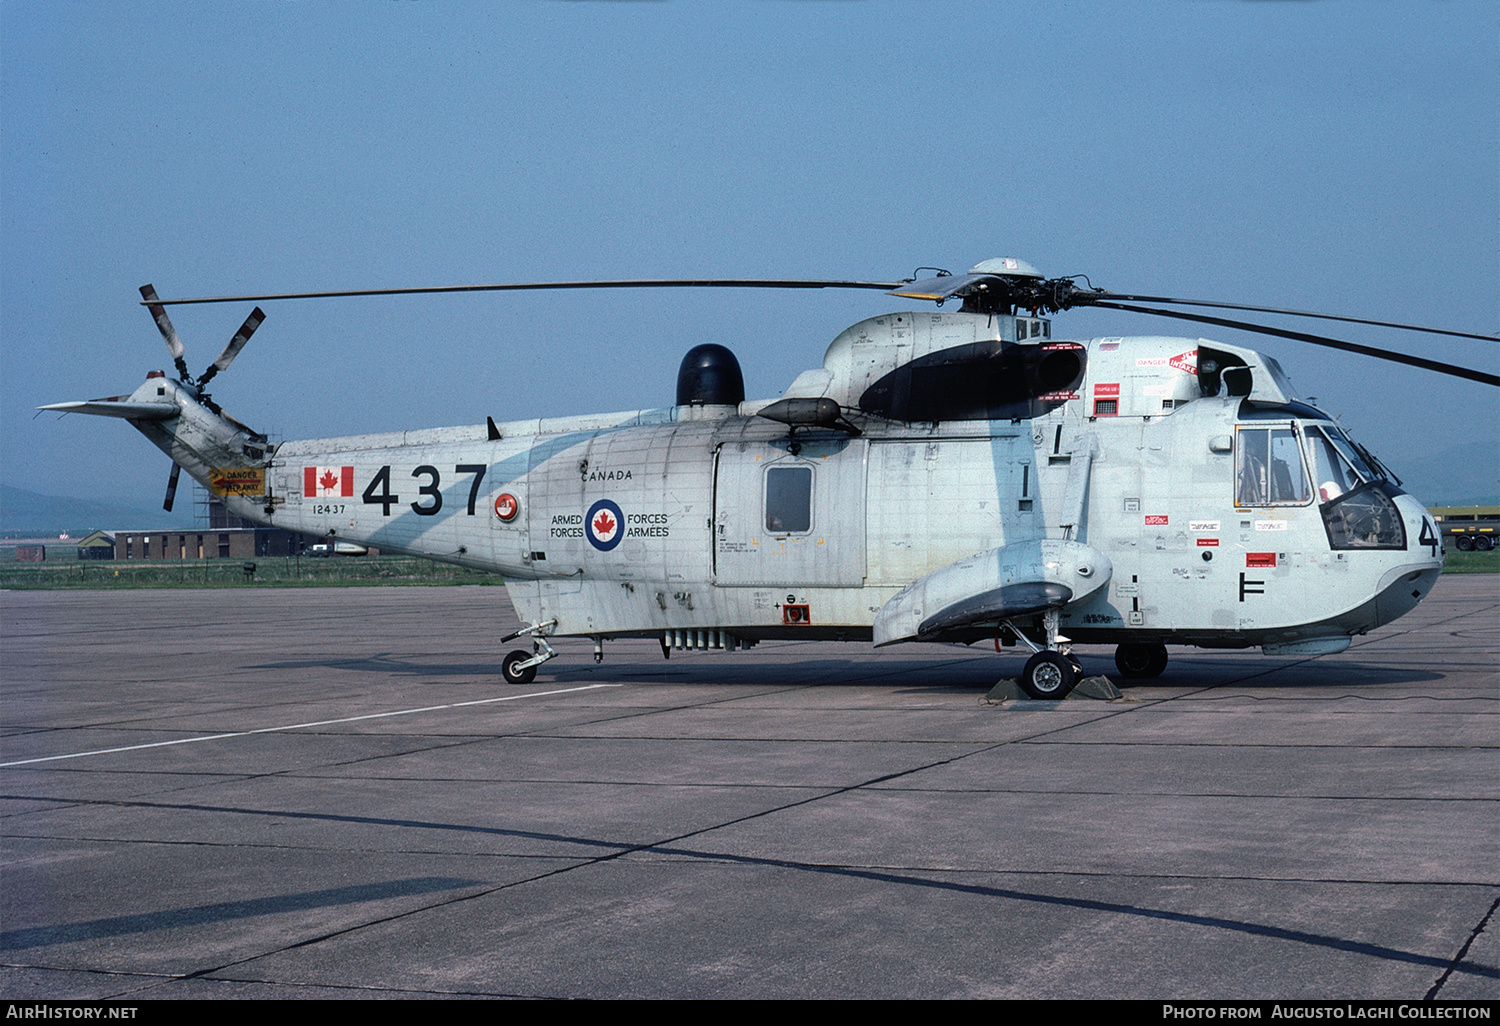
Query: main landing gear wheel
{"points": [[1139, 661], [513, 675], [1048, 675]]}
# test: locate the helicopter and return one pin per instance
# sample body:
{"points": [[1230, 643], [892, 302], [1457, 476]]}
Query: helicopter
{"points": [[947, 475]]}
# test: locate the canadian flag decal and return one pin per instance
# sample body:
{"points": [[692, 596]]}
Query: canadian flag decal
{"points": [[327, 482]]}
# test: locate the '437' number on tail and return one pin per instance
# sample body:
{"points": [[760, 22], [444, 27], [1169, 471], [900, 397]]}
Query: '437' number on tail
{"points": [[378, 492]]}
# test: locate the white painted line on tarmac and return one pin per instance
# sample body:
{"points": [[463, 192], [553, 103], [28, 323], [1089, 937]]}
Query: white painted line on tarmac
{"points": [[314, 723]]}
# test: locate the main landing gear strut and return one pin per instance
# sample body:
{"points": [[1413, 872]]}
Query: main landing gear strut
{"points": [[1051, 672], [519, 667]]}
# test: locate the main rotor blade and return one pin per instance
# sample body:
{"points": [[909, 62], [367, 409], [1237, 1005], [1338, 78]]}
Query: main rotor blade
{"points": [[235, 345], [1319, 340], [666, 283], [1084, 299], [164, 325]]}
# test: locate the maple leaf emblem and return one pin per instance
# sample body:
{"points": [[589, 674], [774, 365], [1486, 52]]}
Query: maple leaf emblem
{"points": [[604, 524], [328, 481]]}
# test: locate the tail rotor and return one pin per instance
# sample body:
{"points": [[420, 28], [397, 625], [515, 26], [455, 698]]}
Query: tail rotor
{"points": [[175, 347]]}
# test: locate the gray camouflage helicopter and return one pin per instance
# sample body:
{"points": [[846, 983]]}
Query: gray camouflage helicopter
{"points": [[953, 476]]}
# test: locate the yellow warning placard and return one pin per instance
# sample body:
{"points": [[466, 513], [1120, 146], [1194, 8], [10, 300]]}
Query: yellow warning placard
{"points": [[237, 480]]}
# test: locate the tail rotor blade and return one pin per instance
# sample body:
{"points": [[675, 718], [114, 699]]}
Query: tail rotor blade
{"points": [[169, 333], [235, 344], [172, 487]]}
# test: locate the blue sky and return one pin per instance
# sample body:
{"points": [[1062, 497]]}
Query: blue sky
{"points": [[1342, 157]]}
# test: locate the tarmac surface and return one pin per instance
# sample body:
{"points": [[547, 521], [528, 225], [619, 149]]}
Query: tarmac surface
{"points": [[326, 793]]}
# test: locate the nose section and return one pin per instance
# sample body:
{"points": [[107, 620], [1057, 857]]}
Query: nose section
{"points": [[1402, 587], [1423, 539]]}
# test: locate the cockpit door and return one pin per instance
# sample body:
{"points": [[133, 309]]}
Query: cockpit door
{"points": [[1268, 467]]}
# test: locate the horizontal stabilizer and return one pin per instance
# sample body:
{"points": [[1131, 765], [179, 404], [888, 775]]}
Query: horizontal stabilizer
{"points": [[119, 408], [1013, 580]]}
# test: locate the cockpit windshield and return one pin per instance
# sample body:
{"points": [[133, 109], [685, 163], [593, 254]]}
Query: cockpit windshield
{"points": [[1272, 464], [1355, 499], [1333, 471], [1269, 464], [1350, 452]]}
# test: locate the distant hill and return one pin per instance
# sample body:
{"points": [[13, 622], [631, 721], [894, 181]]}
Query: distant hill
{"points": [[1465, 475], [31, 513]]}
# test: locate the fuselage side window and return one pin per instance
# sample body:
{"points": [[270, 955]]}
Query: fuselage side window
{"points": [[789, 500]]}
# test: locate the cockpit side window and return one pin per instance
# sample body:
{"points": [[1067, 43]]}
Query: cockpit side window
{"points": [[1365, 518], [1251, 458], [1268, 468]]}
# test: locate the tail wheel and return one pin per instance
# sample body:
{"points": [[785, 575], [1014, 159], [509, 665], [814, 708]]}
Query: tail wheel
{"points": [[1140, 661], [510, 668], [1048, 675]]}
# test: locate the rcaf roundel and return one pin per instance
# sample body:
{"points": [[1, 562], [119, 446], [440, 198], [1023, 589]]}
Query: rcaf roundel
{"points": [[327, 482], [604, 525]]}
